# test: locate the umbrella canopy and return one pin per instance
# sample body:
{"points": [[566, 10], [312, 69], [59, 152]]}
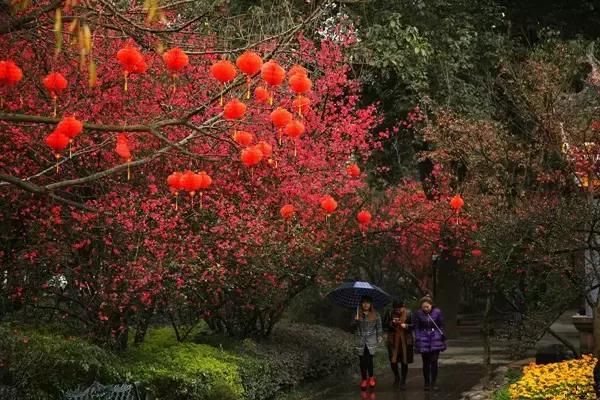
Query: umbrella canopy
{"points": [[348, 294]]}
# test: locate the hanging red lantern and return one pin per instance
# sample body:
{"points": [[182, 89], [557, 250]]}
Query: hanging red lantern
{"points": [[457, 202], [55, 83], [203, 180], [300, 83], [301, 104], [280, 117], [122, 149], [294, 129], [187, 182], [287, 211], [57, 141], [297, 69], [251, 156], [261, 94], [353, 170], [249, 63], [174, 182], [70, 127], [176, 60], [10, 73], [234, 109], [243, 138], [265, 148], [131, 61], [363, 217], [223, 71], [476, 253], [273, 73], [328, 204]]}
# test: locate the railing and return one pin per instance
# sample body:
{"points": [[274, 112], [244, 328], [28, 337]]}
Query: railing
{"points": [[98, 391]]}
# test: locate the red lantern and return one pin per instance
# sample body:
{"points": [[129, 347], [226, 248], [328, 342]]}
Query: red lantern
{"points": [[122, 149], [457, 202], [476, 253], [176, 60], [363, 217], [261, 94], [204, 180], [70, 126], [223, 71], [353, 170], [131, 61], [287, 211], [301, 104], [280, 117], [234, 109], [251, 156], [249, 63], [294, 129], [57, 141], [187, 182], [300, 83], [174, 182], [273, 73], [265, 148], [243, 138], [328, 204], [10, 74], [55, 83], [297, 69]]}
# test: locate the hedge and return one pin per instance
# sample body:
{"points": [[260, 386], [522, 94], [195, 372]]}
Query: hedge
{"points": [[41, 365]]}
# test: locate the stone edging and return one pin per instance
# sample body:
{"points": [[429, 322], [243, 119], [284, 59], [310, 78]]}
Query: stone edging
{"points": [[486, 387]]}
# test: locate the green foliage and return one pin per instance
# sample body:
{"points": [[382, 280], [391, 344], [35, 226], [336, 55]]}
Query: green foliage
{"points": [[42, 365], [512, 376], [185, 371]]}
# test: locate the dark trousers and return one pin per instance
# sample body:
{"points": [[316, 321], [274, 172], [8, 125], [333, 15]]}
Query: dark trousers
{"points": [[430, 366], [403, 371], [366, 364]]}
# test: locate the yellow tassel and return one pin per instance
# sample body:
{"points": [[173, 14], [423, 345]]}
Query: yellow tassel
{"points": [[128, 171], [54, 100], [176, 202], [125, 86], [70, 148]]}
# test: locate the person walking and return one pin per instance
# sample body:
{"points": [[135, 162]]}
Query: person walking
{"points": [[398, 324], [429, 339], [368, 334]]}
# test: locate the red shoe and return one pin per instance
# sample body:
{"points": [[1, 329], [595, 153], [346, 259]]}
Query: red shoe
{"points": [[363, 384], [372, 382]]}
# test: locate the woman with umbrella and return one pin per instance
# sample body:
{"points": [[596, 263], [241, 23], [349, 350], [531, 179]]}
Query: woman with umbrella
{"points": [[369, 334], [364, 297]]}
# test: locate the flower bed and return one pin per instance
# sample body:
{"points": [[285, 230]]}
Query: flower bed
{"points": [[567, 380]]}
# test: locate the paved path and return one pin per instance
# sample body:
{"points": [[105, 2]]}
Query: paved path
{"points": [[460, 369]]}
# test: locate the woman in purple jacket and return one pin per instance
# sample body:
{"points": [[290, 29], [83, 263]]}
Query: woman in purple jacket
{"points": [[429, 339]]}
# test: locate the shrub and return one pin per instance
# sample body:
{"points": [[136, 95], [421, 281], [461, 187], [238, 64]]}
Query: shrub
{"points": [[42, 365], [295, 353], [566, 380], [183, 371]]}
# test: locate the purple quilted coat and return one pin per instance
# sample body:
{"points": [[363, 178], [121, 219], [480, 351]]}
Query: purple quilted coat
{"points": [[427, 337]]}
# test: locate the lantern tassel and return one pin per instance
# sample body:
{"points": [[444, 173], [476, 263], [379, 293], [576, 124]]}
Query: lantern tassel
{"points": [[280, 134], [125, 84], [128, 170], [295, 149], [71, 148], [200, 200], [176, 207], [57, 158], [270, 98], [247, 87], [54, 101]]}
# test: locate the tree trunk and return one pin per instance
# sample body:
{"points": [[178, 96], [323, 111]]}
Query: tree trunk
{"points": [[447, 295], [596, 328], [487, 348]]}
